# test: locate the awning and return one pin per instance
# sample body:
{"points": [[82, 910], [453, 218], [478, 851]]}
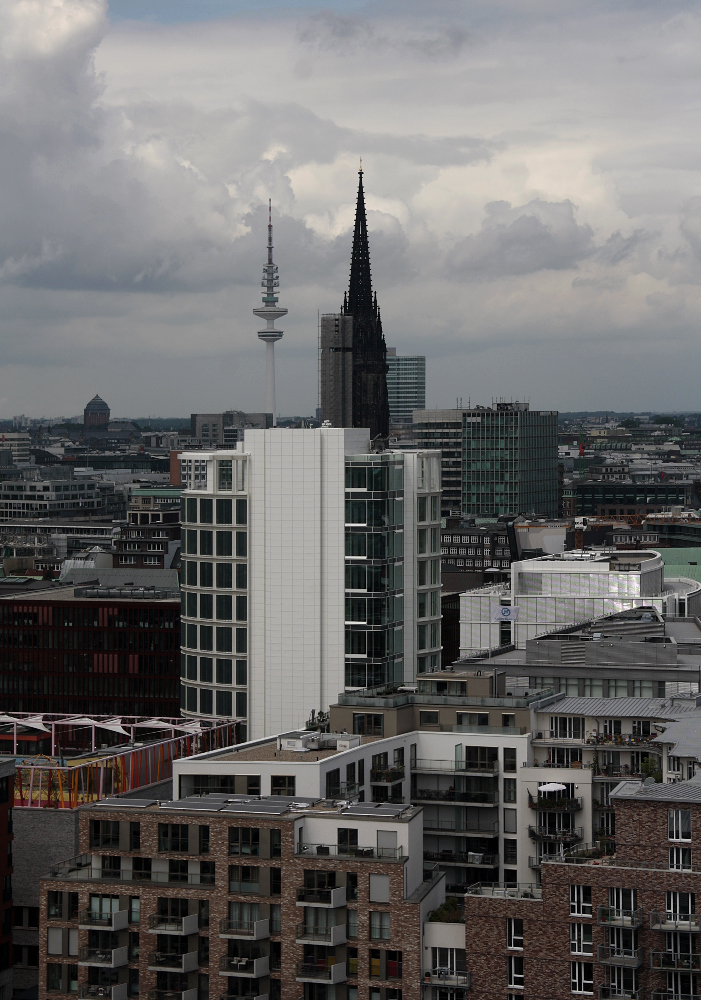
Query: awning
{"points": [[552, 786]]}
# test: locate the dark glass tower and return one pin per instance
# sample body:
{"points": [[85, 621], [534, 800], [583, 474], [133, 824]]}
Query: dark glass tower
{"points": [[369, 391]]}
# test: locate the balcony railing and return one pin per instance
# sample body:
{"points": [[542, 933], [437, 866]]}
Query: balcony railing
{"points": [[555, 805], [80, 869], [504, 890], [669, 961], [162, 961], [616, 771], [321, 897], [116, 992], [311, 972], [611, 916], [386, 775], [611, 955], [470, 859], [351, 851], [251, 930], [458, 766], [620, 740], [666, 920], [159, 924], [447, 977], [173, 995], [451, 826], [329, 936], [620, 993], [450, 795], [244, 965], [561, 836], [107, 958], [95, 920], [665, 995]]}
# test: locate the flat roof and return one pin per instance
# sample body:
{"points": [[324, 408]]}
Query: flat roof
{"points": [[657, 708], [87, 594], [268, 751]]}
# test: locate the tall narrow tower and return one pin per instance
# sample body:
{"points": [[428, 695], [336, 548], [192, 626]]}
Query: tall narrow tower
{"points": [[270, 312], [370, 400]]}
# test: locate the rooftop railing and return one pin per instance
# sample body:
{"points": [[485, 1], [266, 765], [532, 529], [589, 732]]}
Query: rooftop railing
{"points": [[350, 851], [460, 766], [503, 890]]}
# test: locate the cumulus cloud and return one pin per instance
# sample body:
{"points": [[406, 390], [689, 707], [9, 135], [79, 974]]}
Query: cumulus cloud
{"points": [[508, 214]]}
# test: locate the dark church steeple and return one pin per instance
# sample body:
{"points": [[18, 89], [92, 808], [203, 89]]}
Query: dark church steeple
{"points": [[370, 401]]}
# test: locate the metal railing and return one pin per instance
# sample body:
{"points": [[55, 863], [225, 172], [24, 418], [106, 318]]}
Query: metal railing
{"points": [[451, 795], [666, 920], [447, 977], [616, 992], [450, 826], [470, 858], [563, 836], [114, 921], [503, 890], [324, 897], [609, 954], [670, 961], [160, 924], [612, 916], [330, 936], [321, 973], [460, 766], [80, 869], [351, 851], [555, 805], [253, 929], [387, 775]]}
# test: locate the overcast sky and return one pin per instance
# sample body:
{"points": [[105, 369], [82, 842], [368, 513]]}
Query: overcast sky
{"points": [[532, 172]]}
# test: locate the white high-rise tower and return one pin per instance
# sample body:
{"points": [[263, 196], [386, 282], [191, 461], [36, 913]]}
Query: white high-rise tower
{"points": [[270, 312]]}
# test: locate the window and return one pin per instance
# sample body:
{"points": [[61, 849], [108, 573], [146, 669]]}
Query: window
{"points": [[243, 878], [104, 833], [135, 836], [509, 789], [223, 671], [282, 784], [224, 543], [510, 821], [275, 843], [224, 576], [514, 934], [206, 606], [352, 923], [379, 925], [172, 837], [566, 727], [580, 900], [581, 942], [510, 852], [223, 639], [54, 976], [368, 725], [224, 607], [206, 669], [429, 718], [275, 881], [509, 758], [641, 727], [244, 840], [514, 971], [582, 974], [679, 824], [224, 506], [204, 840], [224, 704], [680, 858]]}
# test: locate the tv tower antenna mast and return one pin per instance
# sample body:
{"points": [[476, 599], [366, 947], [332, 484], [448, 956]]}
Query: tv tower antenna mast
{"points": [[270, 311]]}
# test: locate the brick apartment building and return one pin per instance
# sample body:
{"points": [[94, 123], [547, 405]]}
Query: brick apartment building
{"points": [[239, 896], [92, 650], [625, 925], [152, 536]]}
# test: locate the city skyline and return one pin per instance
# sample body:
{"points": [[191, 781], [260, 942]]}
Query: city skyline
{"points": [[543, 211]]}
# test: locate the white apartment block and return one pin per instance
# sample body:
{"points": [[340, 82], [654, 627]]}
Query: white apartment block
{"points": [[310, 566], [561, 589]]}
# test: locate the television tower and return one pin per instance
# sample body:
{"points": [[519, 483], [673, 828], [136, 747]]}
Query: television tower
{"points": [[270, 311]]}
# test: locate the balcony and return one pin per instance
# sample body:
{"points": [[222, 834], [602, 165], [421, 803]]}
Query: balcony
{"points": [[321, 897], [386, 775], [158, 924], [80, 869], [555, 805], [243, 965], [104, 958], [613, 992], [251, 930], [631, 958], [172, 995], [670, 962], [616, 771], [306, 972], [450, 826], [472, 859], [619, 740], [502, 890], [559, 836], [450, 795], [456, 766], [447, 977], [665, 920], [329, 936], [163, 961], [91, 920], [350, 851], [116, 992], [609, 916]]}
